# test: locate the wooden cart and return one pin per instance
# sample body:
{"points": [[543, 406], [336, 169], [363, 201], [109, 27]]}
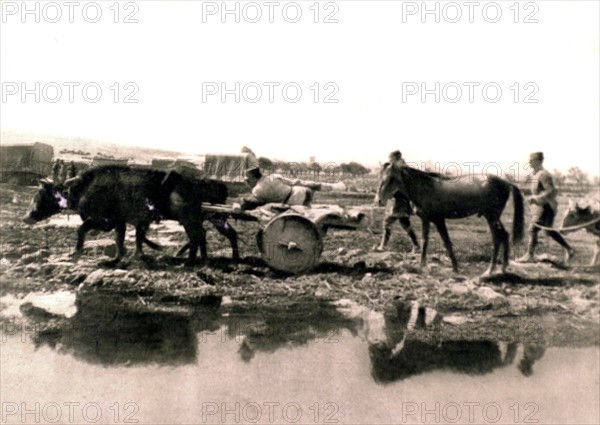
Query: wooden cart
{"points": [[290, 238]]}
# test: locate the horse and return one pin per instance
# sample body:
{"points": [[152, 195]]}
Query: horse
{"points": [[438, 197]]}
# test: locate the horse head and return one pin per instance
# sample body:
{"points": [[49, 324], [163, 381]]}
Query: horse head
{"points": [[390, 182]]}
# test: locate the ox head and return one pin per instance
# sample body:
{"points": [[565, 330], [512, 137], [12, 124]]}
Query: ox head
{"points": [[48, 201], [389, 183]]}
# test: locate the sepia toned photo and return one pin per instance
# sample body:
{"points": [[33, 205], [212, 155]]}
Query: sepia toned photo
{"points": [[299, 212]]}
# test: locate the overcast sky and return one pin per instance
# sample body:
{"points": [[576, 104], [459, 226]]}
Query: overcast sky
{"points": [[373, 62]]}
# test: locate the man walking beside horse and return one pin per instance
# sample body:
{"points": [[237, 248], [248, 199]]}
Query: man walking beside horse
{"points": [[400, 209], [543, 207]]}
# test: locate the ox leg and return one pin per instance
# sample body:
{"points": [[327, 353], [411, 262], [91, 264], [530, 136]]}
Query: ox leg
{"points": [[85, 227], [120, 239], [202, 242], [192, 246], [183, 249], [140, 236], [197, 237], [229, 232], [443, 231], [425, 235], [152, 245]]}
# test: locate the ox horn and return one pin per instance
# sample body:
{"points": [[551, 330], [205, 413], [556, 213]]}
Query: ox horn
{"points": [[69, 182]]}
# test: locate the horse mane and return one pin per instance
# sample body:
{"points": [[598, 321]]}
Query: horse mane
{"points": [[437, 175], [430, 175]]}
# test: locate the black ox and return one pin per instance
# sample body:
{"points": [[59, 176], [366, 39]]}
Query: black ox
{"points": [[109, 197]]}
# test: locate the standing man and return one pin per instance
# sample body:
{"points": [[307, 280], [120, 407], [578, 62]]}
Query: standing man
{"points": [[56, 171], [400, 210], [543, 209], [72, 170], [63, 171]]}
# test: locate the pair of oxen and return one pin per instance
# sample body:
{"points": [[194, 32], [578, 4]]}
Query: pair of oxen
{"points": [[110, 197]]}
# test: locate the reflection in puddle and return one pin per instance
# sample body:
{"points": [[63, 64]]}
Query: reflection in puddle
{"points": [[113, 330], [469, 357], [179, 357]]}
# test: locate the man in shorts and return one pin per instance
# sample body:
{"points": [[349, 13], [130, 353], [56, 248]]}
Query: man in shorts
{"points": [[543, 207], [398, 209]]}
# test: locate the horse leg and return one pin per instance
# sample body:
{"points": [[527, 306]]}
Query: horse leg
{"points": [[596, 255], [505, 239], [229, 232], [425, 234], [499, 236], [443, 231]]}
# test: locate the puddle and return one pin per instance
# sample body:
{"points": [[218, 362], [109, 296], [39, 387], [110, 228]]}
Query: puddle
{"points": [[211, 360]]}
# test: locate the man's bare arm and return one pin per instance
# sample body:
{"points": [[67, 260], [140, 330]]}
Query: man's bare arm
{"points": [[251, 202]]}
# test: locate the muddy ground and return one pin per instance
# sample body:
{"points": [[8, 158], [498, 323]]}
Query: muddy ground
{"points": [[561, 303]]}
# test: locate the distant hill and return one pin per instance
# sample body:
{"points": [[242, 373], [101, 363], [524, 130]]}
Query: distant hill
{"points": [[139, 154]]}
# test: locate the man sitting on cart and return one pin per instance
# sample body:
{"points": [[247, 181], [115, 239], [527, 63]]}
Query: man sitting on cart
{"points": [[276, 188]]}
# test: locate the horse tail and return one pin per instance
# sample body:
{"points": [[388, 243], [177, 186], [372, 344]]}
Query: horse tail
{"points": [[518, 222]]}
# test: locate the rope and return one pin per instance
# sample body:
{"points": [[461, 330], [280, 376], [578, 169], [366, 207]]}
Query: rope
{"points": [[570, 228]]}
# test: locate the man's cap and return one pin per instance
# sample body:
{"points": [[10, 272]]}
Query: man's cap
{"points": [[396, 154], [536, 156]]}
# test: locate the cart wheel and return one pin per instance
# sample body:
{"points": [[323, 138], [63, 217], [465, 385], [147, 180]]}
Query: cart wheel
{"points": [[290, 243]]}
